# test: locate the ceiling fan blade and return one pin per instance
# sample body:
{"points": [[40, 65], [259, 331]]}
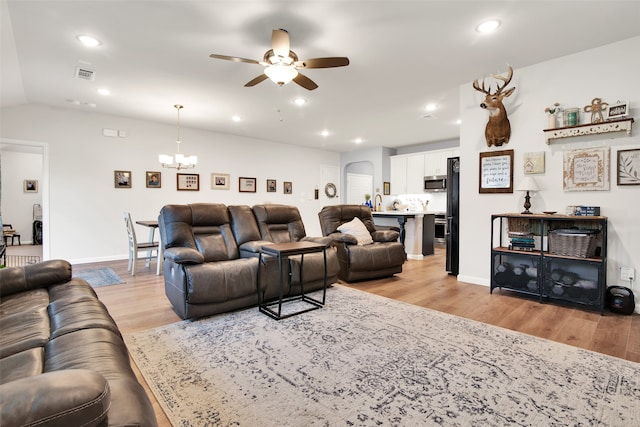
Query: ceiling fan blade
{"points": [[280, 43], [260, 78], [234, 59], [323, 62], [305, 82]]}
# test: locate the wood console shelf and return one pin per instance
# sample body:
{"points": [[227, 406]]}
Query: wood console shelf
{"points": [[556, 258], [621, 125]]}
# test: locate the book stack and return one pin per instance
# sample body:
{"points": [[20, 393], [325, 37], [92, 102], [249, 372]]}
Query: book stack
{"points": [[521, 241]]}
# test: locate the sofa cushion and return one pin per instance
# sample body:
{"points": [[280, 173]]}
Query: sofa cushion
{"points": [[22, 331], [216, 246], [357, 229], [22, 365]]}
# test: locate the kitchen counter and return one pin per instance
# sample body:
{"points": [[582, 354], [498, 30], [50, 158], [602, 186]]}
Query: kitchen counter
{"points": [[416, 230]]}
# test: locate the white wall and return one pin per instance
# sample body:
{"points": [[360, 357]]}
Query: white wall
{"points": [[611, 73], [85, 222], [16, 205]]}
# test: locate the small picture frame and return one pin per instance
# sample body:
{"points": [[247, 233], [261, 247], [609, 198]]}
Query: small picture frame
{"points": [[386, 188], [533, 163], [30, 185], [618, 110], [122, 179], [628, 167], [288, 187], [496, 172], [154, 179], [246, 185], [586, 169], [219, 181], [271, 186], [188, 182]]}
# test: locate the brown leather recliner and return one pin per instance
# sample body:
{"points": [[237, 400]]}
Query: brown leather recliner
{"points": [[282, 224], [383, 258], [204, 271]]}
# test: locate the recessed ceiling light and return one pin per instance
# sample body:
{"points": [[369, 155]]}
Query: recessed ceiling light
{"points": [[300, 101], [431, 107], [104, 91], [236, 118], [325, 133], [458, 122], [488, 26], [358, 140], [88, 40]]}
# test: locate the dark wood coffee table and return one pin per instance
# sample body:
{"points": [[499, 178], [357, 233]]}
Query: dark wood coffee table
{"points": [[282, 251]]}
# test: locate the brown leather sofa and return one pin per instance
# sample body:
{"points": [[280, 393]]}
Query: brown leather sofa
{"points": [[63, 361], [383, 258], [211, 254]]}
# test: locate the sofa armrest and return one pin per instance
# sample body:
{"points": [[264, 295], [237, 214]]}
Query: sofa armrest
{"points": [[386, 227], [343, 238], [181, 255], [254, 246], [321, 240], [385, 236], [69, 397], [34, 276]]}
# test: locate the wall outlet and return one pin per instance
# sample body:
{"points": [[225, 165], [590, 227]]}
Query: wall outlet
{"points": [[627, 273]]}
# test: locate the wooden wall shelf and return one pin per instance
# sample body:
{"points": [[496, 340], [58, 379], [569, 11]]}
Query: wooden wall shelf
{"points": [[621, 125]]}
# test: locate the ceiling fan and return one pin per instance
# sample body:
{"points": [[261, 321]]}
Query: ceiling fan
{"points": [[282, 64]]}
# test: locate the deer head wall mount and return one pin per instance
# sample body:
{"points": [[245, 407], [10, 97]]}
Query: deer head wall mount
{"points": [[498, 130]]}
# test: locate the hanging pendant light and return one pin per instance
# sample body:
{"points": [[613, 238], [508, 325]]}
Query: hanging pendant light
{"points": [[181, 161]]}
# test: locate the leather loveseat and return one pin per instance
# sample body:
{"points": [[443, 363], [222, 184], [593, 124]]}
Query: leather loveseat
{"points": [[63, 361], [211, 254], [382, 258]]}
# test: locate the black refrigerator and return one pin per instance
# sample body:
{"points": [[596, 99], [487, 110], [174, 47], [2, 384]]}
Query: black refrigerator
{"points": [[453, 215]]}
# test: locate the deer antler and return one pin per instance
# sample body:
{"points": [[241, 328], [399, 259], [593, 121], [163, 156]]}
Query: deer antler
{"points": [[483, 90], [506, 79]]}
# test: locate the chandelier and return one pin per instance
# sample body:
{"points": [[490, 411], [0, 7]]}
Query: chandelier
{"points": [[181, 161]]}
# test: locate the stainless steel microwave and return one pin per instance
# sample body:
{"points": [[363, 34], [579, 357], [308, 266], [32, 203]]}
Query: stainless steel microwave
{"points": [[435, 183]]}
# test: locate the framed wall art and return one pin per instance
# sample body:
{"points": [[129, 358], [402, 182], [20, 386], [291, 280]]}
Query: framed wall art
{"points": [[220, 181], [628, 167], [154, 179], [188, 182], [386, 188], [271, 186], [533, 162], [122, 179], [30, 186], [586, 169], [496, 172], [288, 187], [246, 185]]}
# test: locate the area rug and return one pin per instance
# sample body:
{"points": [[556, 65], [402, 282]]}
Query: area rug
{"points": [[100, 277], [365, 360]]}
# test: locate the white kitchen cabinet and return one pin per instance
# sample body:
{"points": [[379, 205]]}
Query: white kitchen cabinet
{"points": [[398, 174], [436, 161], [415, 174], [407, 174]]}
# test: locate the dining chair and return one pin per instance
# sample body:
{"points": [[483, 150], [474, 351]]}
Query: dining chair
{"points": [[8, 231], [148, 248]]}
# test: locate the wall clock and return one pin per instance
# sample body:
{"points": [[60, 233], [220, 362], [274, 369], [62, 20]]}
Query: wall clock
{"points": [[330, 190]]}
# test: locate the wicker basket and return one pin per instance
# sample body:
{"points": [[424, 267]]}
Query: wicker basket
{"points": [[576, 243]]}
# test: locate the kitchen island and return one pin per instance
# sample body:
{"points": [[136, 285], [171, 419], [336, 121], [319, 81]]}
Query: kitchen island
{"points": [[416, 230]]}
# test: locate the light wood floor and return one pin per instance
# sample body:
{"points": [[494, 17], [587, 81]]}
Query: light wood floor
{"points": [[140, 304]]}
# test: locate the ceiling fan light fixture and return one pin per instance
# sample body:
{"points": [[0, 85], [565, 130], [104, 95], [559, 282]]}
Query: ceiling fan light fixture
{"points": [[281, 74]]}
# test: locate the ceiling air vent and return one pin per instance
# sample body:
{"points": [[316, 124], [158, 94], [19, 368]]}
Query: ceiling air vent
{"points": [[85, 74]]}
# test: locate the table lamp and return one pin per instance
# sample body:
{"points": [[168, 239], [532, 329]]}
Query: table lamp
{"points": [[527, 184]]}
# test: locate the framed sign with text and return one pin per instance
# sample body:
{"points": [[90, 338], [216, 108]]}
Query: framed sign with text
{"points": [[586, 169], [496, 172]]}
